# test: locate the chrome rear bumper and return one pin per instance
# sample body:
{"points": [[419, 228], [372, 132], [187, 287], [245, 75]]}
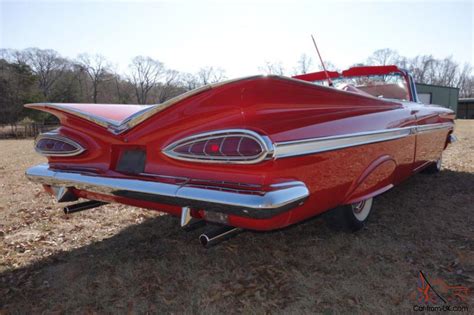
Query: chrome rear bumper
{"points": [[285, 196]]}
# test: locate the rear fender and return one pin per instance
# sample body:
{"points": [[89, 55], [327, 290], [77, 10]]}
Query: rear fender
{"points": [[377, 178]]}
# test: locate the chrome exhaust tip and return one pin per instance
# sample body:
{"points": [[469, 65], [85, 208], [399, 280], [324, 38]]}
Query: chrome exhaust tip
{"points": [[83, 206], [217, 235]]}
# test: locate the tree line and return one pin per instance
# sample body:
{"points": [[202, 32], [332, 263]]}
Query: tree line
{"points": [[424, 69], [43, 75]]}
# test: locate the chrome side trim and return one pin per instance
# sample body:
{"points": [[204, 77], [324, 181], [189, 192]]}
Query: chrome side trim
{"points": [[323, 144], [143, 115], [265, 144], [252, 205], [316, 145], [137, 118], [55, 136], [101, 121], [431, 127]]}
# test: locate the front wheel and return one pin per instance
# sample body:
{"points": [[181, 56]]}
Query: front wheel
{"points": [[350, 217], [434, 167]]}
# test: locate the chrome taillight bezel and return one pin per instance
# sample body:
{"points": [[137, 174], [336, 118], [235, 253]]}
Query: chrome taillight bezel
{"points": [[265, 144], [53, 135]]}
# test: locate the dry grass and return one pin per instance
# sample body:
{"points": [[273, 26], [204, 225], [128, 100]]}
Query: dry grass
{"points": [[123, 259]]}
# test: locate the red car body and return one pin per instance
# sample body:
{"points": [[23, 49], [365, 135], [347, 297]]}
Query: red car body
{"points": [[323, 148]]}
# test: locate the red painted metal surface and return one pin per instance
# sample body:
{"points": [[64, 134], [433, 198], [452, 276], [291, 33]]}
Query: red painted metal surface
{"points": [[116, 112], [317, 76], [370, 70], [282, 109], [352, 72]]}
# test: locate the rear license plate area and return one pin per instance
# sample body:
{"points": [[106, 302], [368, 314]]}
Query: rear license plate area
{"points": [[131, 161]]}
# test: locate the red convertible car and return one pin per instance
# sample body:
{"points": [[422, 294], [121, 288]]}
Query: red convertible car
{"points": [[257, 153]]}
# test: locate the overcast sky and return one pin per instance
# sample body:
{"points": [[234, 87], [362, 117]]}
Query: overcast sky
{"points": [[239, 36]]}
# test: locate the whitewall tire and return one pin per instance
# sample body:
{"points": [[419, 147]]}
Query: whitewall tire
{"points": [[350, 217], [361, 210]]}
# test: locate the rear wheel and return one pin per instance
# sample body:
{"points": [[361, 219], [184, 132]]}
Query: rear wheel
{"points": [[350, 217]]}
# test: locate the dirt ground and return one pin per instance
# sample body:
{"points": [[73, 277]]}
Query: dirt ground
{"points": [[118, 259]]}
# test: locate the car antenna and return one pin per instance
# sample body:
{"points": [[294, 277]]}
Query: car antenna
{"points": [[322, 63]]}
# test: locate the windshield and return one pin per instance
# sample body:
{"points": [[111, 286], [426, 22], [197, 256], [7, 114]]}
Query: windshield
{"points": [[393, 86]]}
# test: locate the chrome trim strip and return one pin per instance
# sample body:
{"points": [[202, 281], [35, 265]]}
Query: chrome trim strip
{"points": [[265, 144], [270, 202], [143, 115], [101, 121], [285, 184], [55, 136], [317, 145], [430, 127], [323, 144]]}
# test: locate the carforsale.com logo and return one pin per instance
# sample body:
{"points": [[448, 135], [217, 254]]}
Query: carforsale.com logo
{"points": [[439, 296]]}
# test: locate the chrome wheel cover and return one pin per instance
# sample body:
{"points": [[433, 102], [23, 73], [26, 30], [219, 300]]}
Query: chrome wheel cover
{"points": [[362, 209]]}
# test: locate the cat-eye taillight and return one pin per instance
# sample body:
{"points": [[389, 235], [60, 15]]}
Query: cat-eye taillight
{"points": [[222, 146], [52, 144]]}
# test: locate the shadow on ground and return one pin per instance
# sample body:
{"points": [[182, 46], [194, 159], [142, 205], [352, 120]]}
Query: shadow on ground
{"points": [[424, 224]]}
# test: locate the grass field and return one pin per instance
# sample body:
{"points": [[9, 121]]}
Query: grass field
{"points": [[118, 259]]}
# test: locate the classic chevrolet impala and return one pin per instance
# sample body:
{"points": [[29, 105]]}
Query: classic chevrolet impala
{"points": [[257, 153]]}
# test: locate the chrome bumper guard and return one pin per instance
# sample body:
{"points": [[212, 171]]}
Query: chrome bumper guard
{"points": [[267, 204], [452, 138]]}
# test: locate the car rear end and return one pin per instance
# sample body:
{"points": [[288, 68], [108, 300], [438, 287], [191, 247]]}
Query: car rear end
{"points": [[193, 156], [257, 153]]}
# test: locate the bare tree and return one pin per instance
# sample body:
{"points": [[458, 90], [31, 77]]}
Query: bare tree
{"points": [[97, 69], [465, 81], [329, 66], [420, 67], [304, 65], [188, 81], [209, 75], [272, 68], [145, 74], [170, 86], [383, 57], [444, 72], [18, 57], [429, 70], [4, 54], [47, 65]]}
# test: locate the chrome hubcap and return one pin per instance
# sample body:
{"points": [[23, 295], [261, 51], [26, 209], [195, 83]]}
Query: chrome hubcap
{"points": [[358, 207], [362, 209]]}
